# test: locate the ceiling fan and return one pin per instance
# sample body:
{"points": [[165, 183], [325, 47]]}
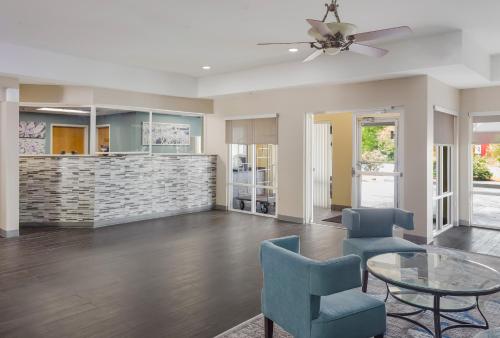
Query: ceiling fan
{"points": [[334, 37]]}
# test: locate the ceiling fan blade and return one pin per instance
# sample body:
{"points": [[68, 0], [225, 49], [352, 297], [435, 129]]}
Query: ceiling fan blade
{"points": [[320, 26], [367, 50], [314, 55], [383, 33], [283, 43]]}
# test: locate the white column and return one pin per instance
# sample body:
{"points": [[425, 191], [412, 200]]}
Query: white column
{"points": [[93, 130], [9, 162], [150, 133]]}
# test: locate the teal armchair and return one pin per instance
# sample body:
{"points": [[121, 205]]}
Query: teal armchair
{"points": [[316, 299], [369, 233]]}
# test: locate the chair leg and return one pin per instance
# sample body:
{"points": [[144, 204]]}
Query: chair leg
{"points": [[365, 281], [268, 327]]}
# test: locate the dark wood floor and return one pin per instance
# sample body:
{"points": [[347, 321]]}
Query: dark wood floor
{"points": [[484, 241], [185, 276]]}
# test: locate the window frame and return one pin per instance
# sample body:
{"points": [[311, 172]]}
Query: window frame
{"points": [[253, 185]]}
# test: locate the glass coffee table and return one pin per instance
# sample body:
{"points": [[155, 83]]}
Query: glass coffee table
{"points": [[435, 282]]}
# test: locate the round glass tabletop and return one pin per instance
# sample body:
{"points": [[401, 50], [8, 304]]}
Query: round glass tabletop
{"points": [[494, 333], [435, 273]]}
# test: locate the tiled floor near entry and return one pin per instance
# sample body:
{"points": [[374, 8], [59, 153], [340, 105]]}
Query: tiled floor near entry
{"points": [[186, 276], [484, 241]]}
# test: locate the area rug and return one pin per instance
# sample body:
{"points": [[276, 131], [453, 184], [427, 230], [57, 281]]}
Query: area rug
{"points": [[336, 219], [397, 328]]}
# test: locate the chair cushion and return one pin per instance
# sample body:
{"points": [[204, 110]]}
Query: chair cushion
{"points": [[349, 314], [373, 246]]}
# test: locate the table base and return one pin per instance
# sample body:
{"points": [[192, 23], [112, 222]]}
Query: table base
{"points": [[438, 331]]}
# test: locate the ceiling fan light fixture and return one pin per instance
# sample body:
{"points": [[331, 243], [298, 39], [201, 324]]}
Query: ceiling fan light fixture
{"points": [[332, 51], [332, 38]]}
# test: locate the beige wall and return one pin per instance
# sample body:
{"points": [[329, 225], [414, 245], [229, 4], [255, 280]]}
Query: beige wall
{"points": [[341, 155], [78, 95], [66, 95], [9, 165], [292, 105], [134, 99]]}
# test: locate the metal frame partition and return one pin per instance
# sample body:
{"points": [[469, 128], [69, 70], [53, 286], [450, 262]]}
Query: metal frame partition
{"points": [[92, 140]]}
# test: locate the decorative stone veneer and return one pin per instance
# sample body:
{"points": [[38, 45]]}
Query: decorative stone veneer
{"points": [[98, 191]]}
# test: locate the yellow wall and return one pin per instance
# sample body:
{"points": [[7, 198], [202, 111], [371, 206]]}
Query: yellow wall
{"points": [[341, 157]]}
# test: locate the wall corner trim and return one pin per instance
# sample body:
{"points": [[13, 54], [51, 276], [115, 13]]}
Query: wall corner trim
{"points": [[291, 219], [9, 233]]}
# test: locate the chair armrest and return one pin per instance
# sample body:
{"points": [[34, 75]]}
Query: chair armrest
{"points": [[335, 275], [290, 243], [351, 219], [404, 219]]}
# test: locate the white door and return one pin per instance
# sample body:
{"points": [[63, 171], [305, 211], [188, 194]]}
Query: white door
{"points": [[376, 168], [322, 164]]}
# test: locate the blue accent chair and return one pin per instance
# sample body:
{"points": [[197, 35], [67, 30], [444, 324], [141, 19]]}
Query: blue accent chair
{"points": [[313, 299], [370, 234]]}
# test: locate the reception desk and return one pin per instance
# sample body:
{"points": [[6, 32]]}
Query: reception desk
{"points": [[95, 191]]}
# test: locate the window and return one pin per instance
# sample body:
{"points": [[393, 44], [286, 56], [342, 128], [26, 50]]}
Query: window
{"points": [[442, 187], [54, 130], [181, 134], [253, 181], [253, 156], [67, 131], [120, 131], [443, 171]]}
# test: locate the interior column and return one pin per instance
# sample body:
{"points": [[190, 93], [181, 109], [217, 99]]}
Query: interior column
{"points": [[9, 160]]}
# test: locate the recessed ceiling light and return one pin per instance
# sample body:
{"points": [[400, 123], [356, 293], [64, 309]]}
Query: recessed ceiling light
{"points": [[206, 67], [63, 110], [293, 50]]}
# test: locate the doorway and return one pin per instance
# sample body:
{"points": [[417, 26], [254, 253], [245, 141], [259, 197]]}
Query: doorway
{"points": [[377, 161], [322, 170], [485, 163], [253, 178], [444, 171], [69, 139], [103, 144]]}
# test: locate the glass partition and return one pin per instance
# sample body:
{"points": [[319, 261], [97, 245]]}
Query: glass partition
{"points": [[180, 134], [120, 131], [54, 130], [67, 131]]}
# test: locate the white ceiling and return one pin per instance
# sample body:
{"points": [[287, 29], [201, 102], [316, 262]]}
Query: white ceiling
{"points": [[181, 36]]}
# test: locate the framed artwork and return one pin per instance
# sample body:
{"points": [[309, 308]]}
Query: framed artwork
{"points": [[32, 129], [167, 134], [31, 146]]}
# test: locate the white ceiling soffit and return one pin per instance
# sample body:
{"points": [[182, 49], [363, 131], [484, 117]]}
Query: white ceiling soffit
{"points": [[453, 58], [39, 66], [450, 57]]}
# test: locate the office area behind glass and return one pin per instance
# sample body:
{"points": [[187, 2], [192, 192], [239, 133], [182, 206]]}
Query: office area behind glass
{"points": [[68, 131]]}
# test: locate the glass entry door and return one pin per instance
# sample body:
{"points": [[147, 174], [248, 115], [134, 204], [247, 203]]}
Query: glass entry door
{"points": [[442, 188], [376, 171], [485, 156], [253, 179]]}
